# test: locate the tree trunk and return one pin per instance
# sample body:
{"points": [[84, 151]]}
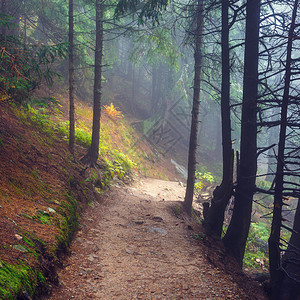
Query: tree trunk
{"points": [[217, 152], [188, 200], [237, 233], [154, 90], [94, 148], [273, 139], [71, 77], [290, 287], [222, 194], [274, 240]]}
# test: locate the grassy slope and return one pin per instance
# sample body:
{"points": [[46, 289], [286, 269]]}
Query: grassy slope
{"points": [[42, 187]]}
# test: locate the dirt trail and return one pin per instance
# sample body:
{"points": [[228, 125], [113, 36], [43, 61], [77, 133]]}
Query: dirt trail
{"points": [[135, 244]]}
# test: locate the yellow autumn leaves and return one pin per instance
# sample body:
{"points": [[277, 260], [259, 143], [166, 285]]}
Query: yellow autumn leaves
{"points": [[112, 111]]}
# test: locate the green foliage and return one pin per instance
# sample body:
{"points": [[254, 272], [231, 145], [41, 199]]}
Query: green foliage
{"points": [[200, 237], [116, 163], [82, 137], [256, 253], [41, 120], [67, 222], [24, 67], [146, 10], [1, 142], [177, 211], [155, 48], [16, 279], [123, 161], [264, 184], [41, 102], [203, 179], [43, 217], [5, 21]]}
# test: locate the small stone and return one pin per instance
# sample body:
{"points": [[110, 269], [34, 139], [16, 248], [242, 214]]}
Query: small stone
{"points": [[91, 258], [88, 270], [96, 248], [18, 237], [139, 222], [82, 272], [43, 212], [26, 216], [20, 248], [61, 282], [157, 219], [128, 251], [157, 230]]}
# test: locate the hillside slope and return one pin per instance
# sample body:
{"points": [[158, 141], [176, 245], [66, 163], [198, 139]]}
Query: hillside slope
{"points": [[42, 188]]}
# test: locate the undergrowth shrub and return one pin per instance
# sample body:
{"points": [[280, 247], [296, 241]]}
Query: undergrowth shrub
{"points": [[116, 164], [256, 252], [203, 180]]}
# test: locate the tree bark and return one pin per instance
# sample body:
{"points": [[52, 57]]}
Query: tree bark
{"points": [[188, 200], [274, 240], [290, 287], [237, 232], [71, 77], [154, 89], [222, 194], [94, 148]]}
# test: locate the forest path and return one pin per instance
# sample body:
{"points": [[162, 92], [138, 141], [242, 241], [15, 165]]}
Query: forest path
{"points": [[135, 244]]}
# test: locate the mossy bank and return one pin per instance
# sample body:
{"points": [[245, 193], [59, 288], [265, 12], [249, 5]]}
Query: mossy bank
{"points": [[42, 190]]}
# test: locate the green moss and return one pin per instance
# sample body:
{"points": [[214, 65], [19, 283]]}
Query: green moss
{"points": [[28, 241], [67, 223], [41, 278], [43, 217], [16, 279]]}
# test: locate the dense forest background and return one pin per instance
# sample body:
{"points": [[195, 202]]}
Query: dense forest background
{"points": [[212, 84]]}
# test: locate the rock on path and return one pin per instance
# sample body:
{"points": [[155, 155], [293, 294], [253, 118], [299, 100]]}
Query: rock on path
{"points": [[134, 245]]}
